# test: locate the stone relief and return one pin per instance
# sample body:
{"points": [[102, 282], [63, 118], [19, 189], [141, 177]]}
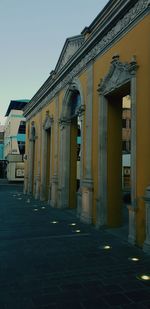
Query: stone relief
{"points": [[72, 45], [119, 73], [48, 121]]}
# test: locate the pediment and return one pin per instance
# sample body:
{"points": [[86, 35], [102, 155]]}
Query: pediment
{"points": [[70, 47], [118, 74]]}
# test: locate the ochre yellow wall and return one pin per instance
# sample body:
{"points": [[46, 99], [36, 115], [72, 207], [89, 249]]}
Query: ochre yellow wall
{"points": [[136, 42]]}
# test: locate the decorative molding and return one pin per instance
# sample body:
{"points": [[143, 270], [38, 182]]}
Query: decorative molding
{"points": [[63, 122], [32, 136], [48, 122], [70, 47], [118, 75], [117, 30]]}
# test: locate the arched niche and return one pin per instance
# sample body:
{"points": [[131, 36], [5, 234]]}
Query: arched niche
{"points": [[71, 118]]}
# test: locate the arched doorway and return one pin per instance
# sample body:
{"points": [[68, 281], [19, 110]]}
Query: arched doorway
{"points": [[71, 137], [119, 82]]}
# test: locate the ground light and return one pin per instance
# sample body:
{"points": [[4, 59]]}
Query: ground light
{"points": [[106, 247], [73, 224], [35, 209], [54, 222], [77, 231], [134, 259], [144, 277], [43, 207]]}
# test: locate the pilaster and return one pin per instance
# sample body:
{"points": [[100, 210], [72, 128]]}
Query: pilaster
{"points": [[146, 246], [87, 183], [43, 170], [54, 178]]}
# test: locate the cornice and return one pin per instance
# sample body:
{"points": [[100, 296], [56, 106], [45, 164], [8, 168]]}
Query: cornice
{"points": [[101, 39]]}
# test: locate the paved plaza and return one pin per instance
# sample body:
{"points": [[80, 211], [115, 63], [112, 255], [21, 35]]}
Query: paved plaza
{"points": [[48, 259]]}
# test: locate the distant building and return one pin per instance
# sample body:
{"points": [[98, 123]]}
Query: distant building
{"points": [[14, 139], [126, 143], [2, 161], [1, 142]]}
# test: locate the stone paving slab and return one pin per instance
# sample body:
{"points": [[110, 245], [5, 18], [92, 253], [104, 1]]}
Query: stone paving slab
{"points": [[45, 262]]}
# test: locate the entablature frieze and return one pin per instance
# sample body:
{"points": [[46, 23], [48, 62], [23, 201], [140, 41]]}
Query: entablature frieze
{"points": [[69, 71]]}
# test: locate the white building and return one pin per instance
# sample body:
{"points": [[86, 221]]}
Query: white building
{"points": [[14, 140]]}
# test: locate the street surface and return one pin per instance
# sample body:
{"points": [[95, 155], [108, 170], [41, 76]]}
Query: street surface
{"points": [[46, 262]]}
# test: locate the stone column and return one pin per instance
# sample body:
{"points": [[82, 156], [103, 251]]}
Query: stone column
{"points": [[37, 186], [25, 190], [87, 183], [133, 208], [31, 152], [146, 246], [54, 178], [64, 167], [102, 162], [43, 170], [79, 193]]}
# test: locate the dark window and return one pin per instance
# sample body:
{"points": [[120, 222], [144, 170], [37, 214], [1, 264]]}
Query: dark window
{"points": [[22, 127], [124, 123], [21, 146], [130, 123], [124, 148], [75, 103]]}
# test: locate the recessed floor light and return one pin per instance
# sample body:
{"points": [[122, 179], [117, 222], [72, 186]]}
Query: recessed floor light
{"points": [[134, 259], [73, 224], [107, 247], [54, 222], [144, 277], [43, 207], [78, 231], [35, 209]]}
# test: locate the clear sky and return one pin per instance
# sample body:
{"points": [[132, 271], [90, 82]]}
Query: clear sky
{"points": [[32, 35]]}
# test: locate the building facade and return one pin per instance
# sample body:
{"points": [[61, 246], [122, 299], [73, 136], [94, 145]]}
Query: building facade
{"points": [[14, 140], [2, 161], [1, 142], [74, 122]]}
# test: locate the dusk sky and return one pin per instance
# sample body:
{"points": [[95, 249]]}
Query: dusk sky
{"points": [[32, 35]]}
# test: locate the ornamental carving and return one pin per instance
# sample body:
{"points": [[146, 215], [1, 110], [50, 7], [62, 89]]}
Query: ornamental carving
{"points": [[32, 136], [48, 121], [118, 75]]}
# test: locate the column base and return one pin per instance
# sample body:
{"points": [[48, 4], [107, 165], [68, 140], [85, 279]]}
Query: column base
{"points": [[146, 247], [25, 189], [62, 203], [54, 191], [101, 218], [87, 198], [42, 193], [132, 225], [37, 187], [79, 203]]}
